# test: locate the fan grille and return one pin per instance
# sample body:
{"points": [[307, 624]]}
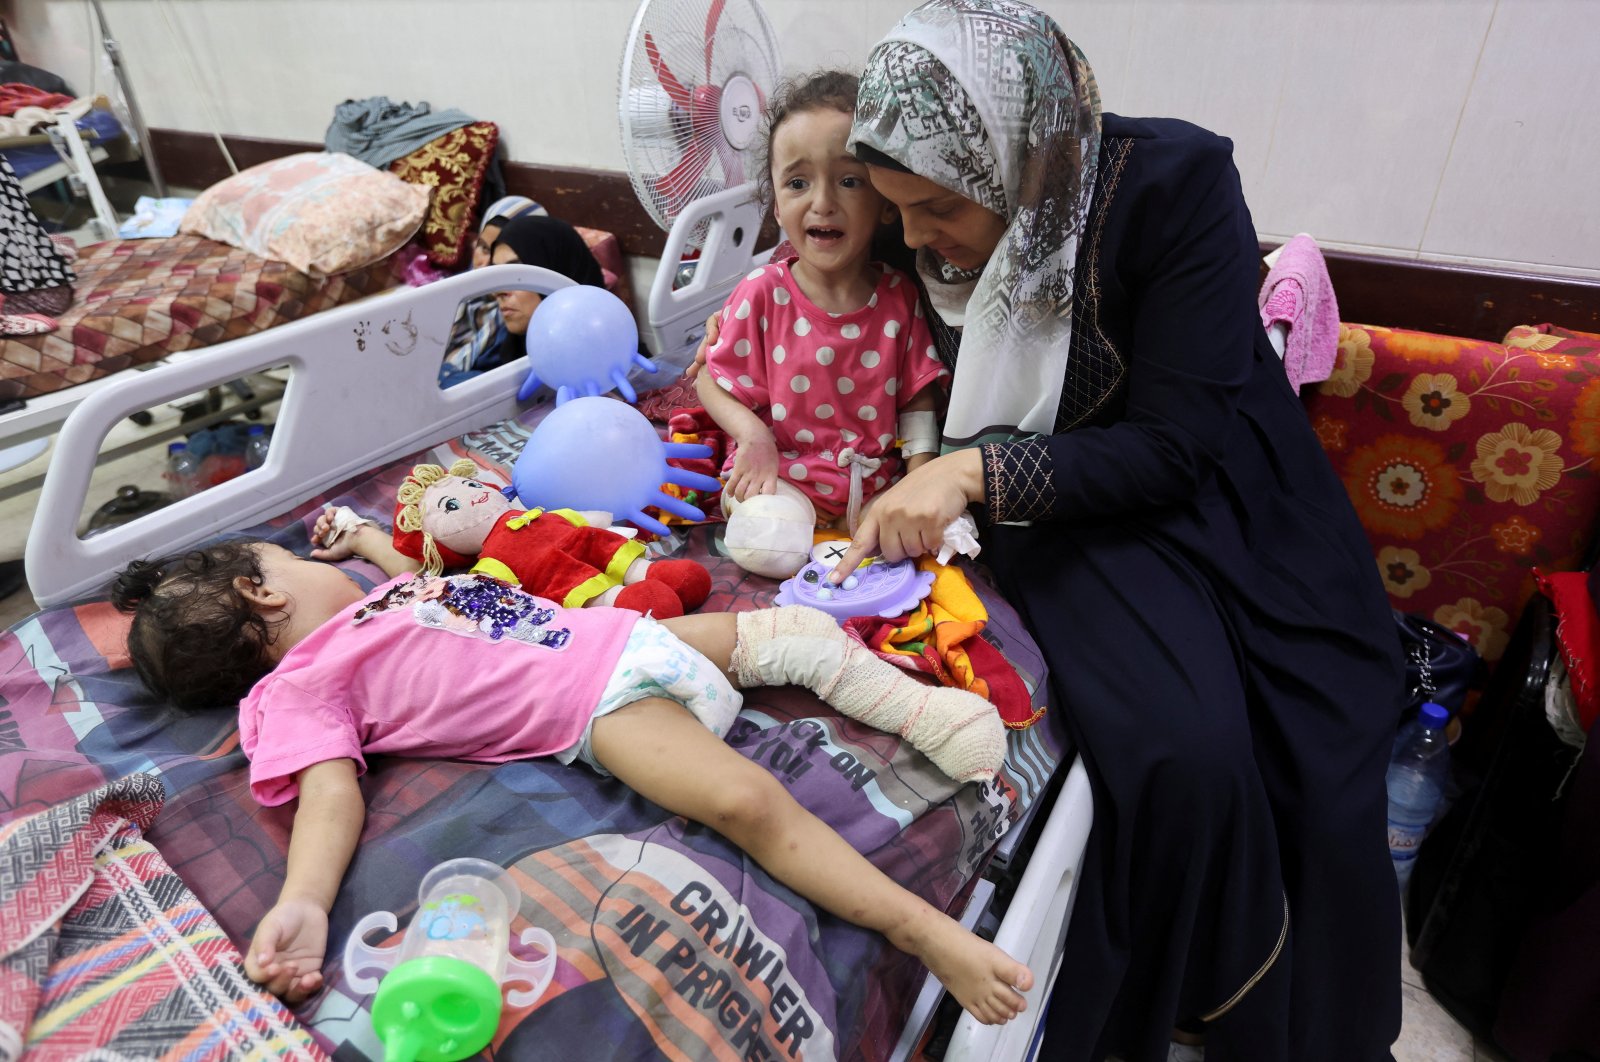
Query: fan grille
{"points": [[680, 84]]}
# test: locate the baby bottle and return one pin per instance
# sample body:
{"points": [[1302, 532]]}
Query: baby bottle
{"points": [[440, 999]]}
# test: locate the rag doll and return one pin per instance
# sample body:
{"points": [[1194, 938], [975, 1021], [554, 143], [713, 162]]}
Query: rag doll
{"points": [[448, 518]]}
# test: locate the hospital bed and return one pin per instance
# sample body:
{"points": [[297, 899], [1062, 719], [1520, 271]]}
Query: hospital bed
{"points": [[671, 942], [68, 151]]}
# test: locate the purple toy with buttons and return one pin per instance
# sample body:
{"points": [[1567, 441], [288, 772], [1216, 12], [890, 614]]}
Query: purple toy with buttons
{"points": [[876, 588]]}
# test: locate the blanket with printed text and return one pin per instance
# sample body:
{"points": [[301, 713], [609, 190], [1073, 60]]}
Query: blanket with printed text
{"points": [[671, 942]]}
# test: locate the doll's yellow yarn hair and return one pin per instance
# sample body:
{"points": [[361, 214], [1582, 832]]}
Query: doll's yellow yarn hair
{"points": [[408, 515]]}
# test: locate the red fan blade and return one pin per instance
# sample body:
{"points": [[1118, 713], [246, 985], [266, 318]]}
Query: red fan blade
{"points": [[705, 111], [675, 90], [679, 182], [712, 18]]}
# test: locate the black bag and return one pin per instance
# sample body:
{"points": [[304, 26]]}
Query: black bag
{"points": [[1483, 865], [1441, 666]]}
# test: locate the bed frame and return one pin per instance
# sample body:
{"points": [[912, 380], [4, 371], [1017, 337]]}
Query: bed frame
{"points": [[77, 158], [363, 390]]}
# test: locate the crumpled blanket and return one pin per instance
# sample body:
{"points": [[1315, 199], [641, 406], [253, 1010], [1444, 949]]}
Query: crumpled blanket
{"points": [[154, 217], [104, 949], [24, 109], [942, 638], [378, 130], [27, 324], [15, 95]]}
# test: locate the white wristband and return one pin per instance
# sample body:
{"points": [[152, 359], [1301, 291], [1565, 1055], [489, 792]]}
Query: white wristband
{"points": [[919, 433]]}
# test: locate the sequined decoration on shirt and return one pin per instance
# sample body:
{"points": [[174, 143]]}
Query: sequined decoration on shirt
{"points": [[474, 605]]}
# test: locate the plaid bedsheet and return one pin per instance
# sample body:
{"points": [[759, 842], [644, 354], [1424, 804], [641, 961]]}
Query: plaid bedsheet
{"points": [[672, 944], [104, 952], [139, 300]]}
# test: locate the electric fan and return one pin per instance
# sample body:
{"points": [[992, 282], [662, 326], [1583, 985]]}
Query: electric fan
{"points": [[696, 75]]}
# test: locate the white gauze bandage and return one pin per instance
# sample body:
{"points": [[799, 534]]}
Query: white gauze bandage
{"points": [[919, 433]]}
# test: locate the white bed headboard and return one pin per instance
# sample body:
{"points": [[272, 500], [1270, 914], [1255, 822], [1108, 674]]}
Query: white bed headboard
{"points": [[363, 390]]}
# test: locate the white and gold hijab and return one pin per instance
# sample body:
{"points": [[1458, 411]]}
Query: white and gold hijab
{"points": [[989, 99]]}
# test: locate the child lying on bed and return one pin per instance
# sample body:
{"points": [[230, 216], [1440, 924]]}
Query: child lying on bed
{"points": [[471, 668]]}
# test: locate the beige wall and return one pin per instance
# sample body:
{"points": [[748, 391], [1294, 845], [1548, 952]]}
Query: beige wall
{"points": [[1454, 129]]}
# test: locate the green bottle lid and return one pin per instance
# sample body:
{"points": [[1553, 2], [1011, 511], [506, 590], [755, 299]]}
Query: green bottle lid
{"points": [[435, 1009]]}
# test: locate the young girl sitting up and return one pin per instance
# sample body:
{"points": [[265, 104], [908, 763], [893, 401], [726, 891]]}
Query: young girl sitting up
{"points": [[329, 675], [823, 360]]}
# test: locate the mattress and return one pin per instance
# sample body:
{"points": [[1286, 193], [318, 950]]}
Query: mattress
{"points": [[138, 301], [671, 943]]}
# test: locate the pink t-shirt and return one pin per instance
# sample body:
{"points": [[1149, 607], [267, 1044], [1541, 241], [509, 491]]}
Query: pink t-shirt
{"points": [[464, 667], [824, 381]]}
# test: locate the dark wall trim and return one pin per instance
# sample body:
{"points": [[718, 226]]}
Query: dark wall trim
{"points": [[1455, 300]]}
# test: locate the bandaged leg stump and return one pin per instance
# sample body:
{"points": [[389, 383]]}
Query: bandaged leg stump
{"points": [[770, 534], [959, 731]]}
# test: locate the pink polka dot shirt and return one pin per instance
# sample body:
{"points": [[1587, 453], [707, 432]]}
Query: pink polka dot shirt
{"points": [[825, 382]]}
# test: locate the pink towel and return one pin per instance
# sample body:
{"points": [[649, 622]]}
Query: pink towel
{"points": [[1298, 292]]}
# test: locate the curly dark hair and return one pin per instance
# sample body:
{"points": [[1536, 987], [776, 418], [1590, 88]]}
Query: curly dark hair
{"points": [[823, 90], [195, 640]]}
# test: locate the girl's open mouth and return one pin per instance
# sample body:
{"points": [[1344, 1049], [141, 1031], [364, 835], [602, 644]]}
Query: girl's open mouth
{"points": [[825, 235]]}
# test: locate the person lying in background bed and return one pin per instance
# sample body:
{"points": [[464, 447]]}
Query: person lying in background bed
{"points": [[537, 241], [472, 668], [478, 326]]}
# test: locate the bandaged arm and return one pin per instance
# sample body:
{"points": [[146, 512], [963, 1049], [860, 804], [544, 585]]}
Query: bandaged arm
{"points": [[918, 427]]}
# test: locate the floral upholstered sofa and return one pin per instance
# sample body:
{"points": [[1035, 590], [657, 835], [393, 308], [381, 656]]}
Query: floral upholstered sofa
{"points": [[1470, 463]]}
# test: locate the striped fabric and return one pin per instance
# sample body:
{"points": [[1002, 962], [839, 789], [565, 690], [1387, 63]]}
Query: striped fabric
{"points": [[107, 950]]}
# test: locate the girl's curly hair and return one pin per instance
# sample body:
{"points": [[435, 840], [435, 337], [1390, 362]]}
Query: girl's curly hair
{"points": [[830, 90], [823, 90], [195, 640]]}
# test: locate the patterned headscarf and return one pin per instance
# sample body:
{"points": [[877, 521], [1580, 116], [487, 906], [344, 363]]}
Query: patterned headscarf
{"points": [[507, 207], [988, 99]]}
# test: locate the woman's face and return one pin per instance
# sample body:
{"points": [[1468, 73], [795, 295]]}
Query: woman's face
{"points": [[515, 306], [951, 225], [481, 245]]}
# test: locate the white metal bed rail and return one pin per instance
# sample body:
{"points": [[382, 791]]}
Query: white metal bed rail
{"points": [[1035, 924], [363, 390]]}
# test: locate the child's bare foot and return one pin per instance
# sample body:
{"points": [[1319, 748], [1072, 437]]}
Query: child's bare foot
{"points": [[986, 981]]}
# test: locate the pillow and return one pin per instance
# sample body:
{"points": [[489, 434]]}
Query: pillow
{"points": [[453, 167], [608, 255], [321, 212]]}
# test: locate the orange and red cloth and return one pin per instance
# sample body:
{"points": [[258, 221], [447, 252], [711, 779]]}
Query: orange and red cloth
{"points": [[15, 95], [1576, 599], [942, 639]]}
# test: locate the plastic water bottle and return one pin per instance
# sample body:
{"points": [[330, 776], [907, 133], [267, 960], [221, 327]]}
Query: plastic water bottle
{"points": [[183, 470], [1418, 772], [255, 447]]}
